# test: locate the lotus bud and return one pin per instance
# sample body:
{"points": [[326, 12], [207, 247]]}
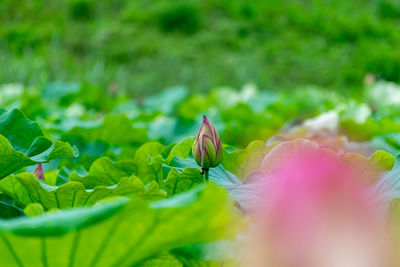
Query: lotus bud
{"points": [[207, 149], [38, 172]]}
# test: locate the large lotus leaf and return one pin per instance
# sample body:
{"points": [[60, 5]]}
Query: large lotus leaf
{"points": [[218, 175], [24, 188], [245, 161], [104, 172], [116, 233], [172, 260], [219, 253], [146, 165], [178, 182], [22, 143], [181, 149], [369, 169], [148, 162], [161, 260]]}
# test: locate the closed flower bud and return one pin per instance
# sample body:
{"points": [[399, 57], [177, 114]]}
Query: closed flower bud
{"points": [[207, 149], [39, 172]]}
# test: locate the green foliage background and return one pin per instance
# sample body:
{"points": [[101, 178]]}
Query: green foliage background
{"points": [[144, 46], [107, 96]]}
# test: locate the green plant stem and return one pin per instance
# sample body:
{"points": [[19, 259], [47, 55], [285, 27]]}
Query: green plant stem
{"points": [[206, 171]]}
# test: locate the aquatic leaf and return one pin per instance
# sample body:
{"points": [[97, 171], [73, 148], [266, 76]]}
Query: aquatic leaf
{"points": [[178, 182], [9, 211], [104, 172], [25, 189], [245, 161], [116, 233], [22, 143]]}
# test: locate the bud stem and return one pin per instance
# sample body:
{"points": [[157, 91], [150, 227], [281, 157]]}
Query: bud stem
{"points": [[205, 172]]}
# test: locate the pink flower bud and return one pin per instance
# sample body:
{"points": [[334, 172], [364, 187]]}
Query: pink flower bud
{"points": [[38, 172], [207, 149]]}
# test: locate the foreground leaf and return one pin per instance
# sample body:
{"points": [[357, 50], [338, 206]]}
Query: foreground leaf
{"points": [[162, 260], [117, 233]]}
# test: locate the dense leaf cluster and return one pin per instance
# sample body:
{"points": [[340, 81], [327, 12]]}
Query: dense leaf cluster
{"points": [[134, 196]]}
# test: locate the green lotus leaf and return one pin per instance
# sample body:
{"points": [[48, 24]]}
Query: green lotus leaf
{"points": [[181, 149], [148, 162], [25, 189], [218, 175], [22, 143], [245, 161], [9, 211], [34, 209], [104, 172], [161, 260], [219, 253], [116, 233], [146, 165], [113, 130], [178, 182]]}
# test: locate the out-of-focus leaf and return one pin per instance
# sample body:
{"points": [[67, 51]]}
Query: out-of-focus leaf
{"points": [[394, 219], [114, 130], [370, 168], [34, 209], [165, 101], [192, 107], [9, 211], [22, 143], [219, 253], [385, 97], [10, 95], [161, 260], [116, 233], [58, 90], [370, 128], [245, 161]]}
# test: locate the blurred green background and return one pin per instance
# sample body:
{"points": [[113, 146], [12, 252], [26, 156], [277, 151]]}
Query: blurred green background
{"points": [[143, 46]]}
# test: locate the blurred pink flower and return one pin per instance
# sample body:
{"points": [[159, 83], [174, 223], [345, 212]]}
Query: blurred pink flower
{"points": [[311, 209]]}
